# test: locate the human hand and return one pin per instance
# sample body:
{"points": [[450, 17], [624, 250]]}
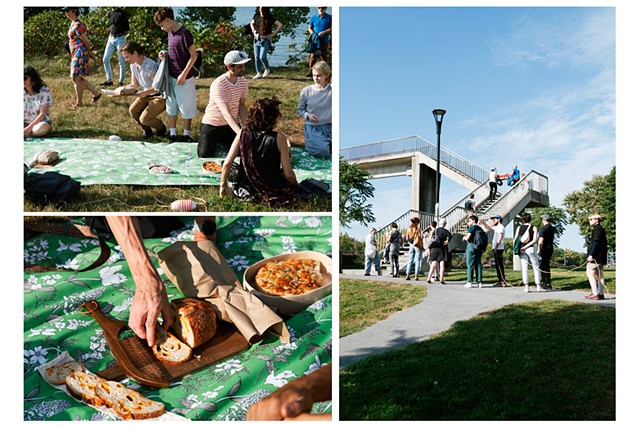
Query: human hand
{"points": [[313, 118], [289, 401], [161, 55], [145, 309], [181, 79]]}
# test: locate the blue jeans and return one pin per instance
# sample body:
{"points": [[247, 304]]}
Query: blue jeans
{"points": [[415, 258], [260, 50], [317, 139], [114, 44], [375, 261], [474, 263]]}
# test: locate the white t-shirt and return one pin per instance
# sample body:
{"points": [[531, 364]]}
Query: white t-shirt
{"points": [[492, 176], [498, 229]]}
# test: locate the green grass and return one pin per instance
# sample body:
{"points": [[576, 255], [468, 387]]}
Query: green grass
{"points": [[364, 303], [110, 116], [548, 360]]}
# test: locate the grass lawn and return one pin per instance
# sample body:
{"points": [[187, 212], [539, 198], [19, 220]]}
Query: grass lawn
{"points": [[364, 303], [109, 116], [547, 360]]}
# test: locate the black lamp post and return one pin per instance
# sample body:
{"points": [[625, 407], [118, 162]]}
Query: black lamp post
{"points": [[438, 114]]}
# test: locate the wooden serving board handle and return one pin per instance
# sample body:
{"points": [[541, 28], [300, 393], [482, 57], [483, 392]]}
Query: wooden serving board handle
{"points": [[112, 328]]}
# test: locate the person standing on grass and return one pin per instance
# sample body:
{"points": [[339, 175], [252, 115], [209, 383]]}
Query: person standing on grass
{"points": [[37, 101], [147, 105], [438, 252], [226, 112], [497, 245], [528, 234], [545, 250], [371, 254], [181, 54], [414, 237], [320, 24], [393, 238], [597, 258], [473, 255], [118, 29], [315, 107], [80, 48], [262, 27]]}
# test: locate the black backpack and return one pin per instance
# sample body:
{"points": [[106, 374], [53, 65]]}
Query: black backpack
{"points": [[480, 239], [50, 187]]}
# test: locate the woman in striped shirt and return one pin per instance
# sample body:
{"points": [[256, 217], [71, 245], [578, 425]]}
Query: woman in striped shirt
{"points": [[315, 107]]}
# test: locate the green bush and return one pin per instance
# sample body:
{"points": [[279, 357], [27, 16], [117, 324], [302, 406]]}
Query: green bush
{"points": [[45, 34]]}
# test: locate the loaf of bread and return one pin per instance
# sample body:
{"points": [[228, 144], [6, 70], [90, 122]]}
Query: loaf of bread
{"points": [[169, 349], [57, 374], [194, 321], [82, 385], [127, 403]]}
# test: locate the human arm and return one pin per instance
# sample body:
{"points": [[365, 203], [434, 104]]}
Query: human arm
{"points": [[193, 55], [150, 298], [234, 151], [295, 398], [220, 98], [285, 159], [303, 104], [278, 25], [87, 44]]}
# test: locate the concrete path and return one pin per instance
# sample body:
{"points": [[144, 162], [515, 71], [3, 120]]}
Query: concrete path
{"points": [[443, 306]]}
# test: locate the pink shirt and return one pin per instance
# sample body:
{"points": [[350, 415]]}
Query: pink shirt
{"points": [[222, 90]]}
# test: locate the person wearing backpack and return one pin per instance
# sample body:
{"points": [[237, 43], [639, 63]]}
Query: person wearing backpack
{"points": [[474, 238], [438, 250], [527, 234]]}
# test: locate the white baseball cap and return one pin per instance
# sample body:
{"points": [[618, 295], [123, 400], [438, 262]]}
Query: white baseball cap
{"points": [[236, 57]]}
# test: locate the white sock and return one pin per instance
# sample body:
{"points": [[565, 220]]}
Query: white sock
{"points": [[172, 131], [186, 132]]}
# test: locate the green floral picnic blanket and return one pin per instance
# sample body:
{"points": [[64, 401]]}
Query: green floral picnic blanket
{"points": [[93, 161], [223, 391]]}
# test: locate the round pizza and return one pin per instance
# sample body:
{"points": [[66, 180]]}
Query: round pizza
{"points": [[289, 277]]}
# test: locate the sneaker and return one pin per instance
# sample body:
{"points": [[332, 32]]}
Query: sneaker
{"points": [[185, 138], [367, 275], [147, 133], [600, 297], [479, 285], [408, 277], [106, 83], [257, 76], [379, 273], [442, 283], [540, 289], [162, 132], [172, 138], [265, 73], [526, 289], [121, 83], [468, 285]]}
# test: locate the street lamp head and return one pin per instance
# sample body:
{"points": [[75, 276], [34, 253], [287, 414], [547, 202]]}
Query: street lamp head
{"points": [[438, 114]]}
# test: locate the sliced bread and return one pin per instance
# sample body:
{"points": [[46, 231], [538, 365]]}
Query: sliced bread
{"points": [[127, 403], [194, 321], [169, 349], [57, 374], [82, 385]]}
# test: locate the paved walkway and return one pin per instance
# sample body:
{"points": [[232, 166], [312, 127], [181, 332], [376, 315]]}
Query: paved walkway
{"points": [[443, 306]]}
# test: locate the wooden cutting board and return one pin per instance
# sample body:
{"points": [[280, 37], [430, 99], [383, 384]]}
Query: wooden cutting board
{"points": [[136, 360]]}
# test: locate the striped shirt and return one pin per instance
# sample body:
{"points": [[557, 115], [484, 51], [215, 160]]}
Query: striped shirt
{"points": [[144, 73], [317, 102], [223, 91], [179, 43]]}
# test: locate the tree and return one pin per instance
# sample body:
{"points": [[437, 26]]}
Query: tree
{"points": [[33, 11], [557, 216], [202, 17], [355, 190], [597, 196]]}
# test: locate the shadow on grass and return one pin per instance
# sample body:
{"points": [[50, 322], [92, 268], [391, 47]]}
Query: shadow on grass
{"points": [[548, 360]]}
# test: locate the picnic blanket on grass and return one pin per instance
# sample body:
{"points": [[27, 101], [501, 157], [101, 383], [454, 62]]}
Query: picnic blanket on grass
{"points": [[94, 161], [223, 391]]}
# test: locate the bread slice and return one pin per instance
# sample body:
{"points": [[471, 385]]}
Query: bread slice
{"points": [[127, 403], [57, 374], [194, 321], [82, 385], [169, 349]]}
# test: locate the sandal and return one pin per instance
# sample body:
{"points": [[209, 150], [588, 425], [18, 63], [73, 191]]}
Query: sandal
{"points": [[97, 97], [74, 106]]}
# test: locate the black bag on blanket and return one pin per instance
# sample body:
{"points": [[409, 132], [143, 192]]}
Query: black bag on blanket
{"points": [[50, 187], [310, 187]]}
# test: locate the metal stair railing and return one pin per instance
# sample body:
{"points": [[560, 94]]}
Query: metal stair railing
{"points": [[531, 182], [413, 144], [403, 222]]}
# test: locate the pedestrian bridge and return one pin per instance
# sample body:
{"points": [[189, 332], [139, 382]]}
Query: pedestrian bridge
{"points": [[416, 157]]}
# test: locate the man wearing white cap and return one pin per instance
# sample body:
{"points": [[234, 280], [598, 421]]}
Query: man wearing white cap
{"points": [[226, 112]]}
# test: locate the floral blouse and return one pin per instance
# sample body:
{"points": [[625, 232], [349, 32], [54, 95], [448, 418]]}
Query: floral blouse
{"points": [[33, 104], [75, 30]]}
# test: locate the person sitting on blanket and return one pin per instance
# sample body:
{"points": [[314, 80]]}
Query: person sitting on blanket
{"points": [[37, 101], [265, 170], [147, 104]]}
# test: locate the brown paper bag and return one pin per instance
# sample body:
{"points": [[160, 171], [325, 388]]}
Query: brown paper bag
{"points": [[199, 270]]}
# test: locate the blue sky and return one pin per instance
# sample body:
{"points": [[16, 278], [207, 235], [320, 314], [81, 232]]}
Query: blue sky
{"points": [[528, 86]]}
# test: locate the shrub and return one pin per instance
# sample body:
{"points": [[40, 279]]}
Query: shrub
{"points": [[45, 34]]}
